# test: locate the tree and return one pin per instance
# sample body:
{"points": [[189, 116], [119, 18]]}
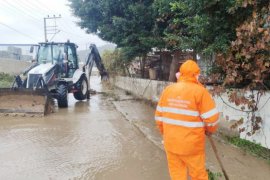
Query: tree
{"points": [[127, 23], [247, 62], [248, 57], [204, 26]]}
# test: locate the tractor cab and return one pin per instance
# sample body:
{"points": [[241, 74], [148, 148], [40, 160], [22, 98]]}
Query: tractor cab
{"points": [[62, 54]]}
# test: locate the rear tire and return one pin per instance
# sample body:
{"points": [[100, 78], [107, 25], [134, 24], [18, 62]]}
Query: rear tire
{"points": [[83, 91], [62, 96]]}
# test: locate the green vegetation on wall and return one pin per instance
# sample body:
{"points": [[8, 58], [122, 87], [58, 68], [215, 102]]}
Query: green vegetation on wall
{"points": [[250, 147]]}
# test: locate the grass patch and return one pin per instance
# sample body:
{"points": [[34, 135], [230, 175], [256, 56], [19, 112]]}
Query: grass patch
{"points": [[213, 175], [253, 148], [6, 80]]}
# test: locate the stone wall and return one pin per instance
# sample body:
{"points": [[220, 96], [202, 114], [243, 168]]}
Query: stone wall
{"points": [[151, 90]]}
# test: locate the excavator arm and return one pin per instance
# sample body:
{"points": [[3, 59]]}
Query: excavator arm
{"points": [[94, 57]]}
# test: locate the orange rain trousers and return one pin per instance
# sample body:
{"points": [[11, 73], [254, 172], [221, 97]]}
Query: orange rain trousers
{"points": [[180, 165]]}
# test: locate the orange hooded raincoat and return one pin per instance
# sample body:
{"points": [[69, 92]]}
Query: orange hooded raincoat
{"points": [[184, 112]]}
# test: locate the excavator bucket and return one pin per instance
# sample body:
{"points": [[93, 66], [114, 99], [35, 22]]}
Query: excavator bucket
{"points": [[23, 101]]}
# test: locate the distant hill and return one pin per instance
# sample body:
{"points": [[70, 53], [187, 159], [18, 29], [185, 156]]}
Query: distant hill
{"points": [[83, 53], [109, 47]]}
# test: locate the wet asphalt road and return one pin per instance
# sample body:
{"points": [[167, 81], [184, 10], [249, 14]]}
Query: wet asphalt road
{"points": [[88, 140]]}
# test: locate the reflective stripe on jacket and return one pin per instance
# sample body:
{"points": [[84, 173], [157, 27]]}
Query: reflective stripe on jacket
{"points": [[184, 112]]}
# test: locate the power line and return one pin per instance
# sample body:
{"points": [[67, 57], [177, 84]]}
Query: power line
{"points": [[53, 31], [37, 5], [44, 5], [67, 32], [26, 35], [21, 4], [13, 11], [63, 23], [33, 6], [24, 12], [25, 8], [40, 7]]}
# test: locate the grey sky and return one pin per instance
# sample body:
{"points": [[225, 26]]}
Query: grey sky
{"points": [[21, 21]]}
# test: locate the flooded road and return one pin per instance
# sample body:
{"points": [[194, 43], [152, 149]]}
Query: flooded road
{"points": [[88, 140]]}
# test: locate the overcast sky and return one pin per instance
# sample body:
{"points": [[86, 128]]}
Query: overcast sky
{"points": [[21, 21]]}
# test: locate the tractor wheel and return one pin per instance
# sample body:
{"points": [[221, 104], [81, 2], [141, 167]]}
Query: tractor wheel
{"points": [[83, 91], [62, 96]]}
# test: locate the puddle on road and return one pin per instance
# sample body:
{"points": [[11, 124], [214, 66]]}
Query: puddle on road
{"points": [[87, 140]]}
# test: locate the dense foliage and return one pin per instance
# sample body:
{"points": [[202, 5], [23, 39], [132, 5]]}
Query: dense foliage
{"points": [[127, 23], [203, 26], [247, 62]]}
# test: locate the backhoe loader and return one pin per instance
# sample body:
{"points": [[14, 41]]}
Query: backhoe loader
{"points": [[55, 73]]}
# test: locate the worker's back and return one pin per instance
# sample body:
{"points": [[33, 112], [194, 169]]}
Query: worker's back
{"points": [[185, 112], [186, 134]]}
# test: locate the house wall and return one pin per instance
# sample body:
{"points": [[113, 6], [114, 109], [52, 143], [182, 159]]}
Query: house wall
{"points": [[151, 90]]}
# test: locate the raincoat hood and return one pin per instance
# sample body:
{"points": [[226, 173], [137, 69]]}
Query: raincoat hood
{"points": [[188, 71]]}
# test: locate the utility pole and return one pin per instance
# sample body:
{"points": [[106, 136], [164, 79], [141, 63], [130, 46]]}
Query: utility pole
{"points": [[50, 29]]}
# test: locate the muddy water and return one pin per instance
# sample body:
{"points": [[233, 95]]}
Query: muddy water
{"points": [[88, 140]]}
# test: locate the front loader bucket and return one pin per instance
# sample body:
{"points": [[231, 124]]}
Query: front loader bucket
{"points": [[23, 101]]}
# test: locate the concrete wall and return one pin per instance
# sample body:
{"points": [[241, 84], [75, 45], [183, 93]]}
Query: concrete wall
{"points": [[11, 66], [151, 90]]}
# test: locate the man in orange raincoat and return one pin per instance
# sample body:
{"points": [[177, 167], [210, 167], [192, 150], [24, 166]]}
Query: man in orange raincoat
{"points": [[185, 113]]}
